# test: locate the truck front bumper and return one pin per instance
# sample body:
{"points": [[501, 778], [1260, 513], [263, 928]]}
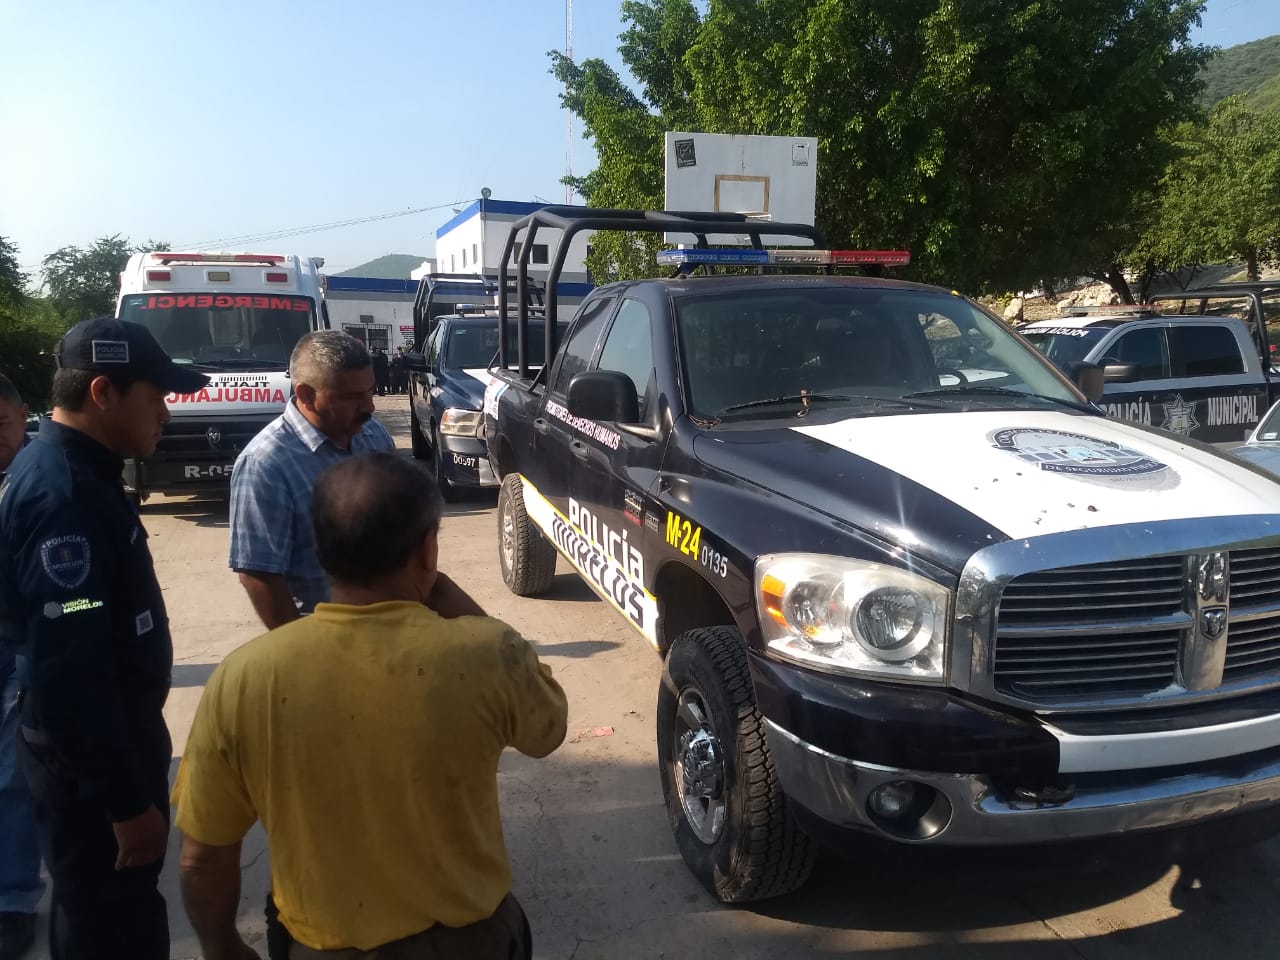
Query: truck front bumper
{"points": [[969, 809], [465, 462]]}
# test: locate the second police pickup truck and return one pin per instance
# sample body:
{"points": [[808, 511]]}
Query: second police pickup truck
{"points": [[1201, 376], [906, 580]]}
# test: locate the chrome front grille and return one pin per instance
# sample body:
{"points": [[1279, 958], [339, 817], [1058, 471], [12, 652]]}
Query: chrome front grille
{"points": [[1138, 629], [1087, 666], [1131, 589], [1255, 578]]}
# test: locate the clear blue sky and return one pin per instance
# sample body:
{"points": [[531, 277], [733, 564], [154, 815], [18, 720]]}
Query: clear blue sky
{"points": [[193, 122]]}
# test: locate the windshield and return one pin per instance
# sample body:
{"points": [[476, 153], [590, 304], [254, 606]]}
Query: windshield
{"points": [[473, 346], [842, 344], [224, 330], [1065, 345], [1269, 429]]}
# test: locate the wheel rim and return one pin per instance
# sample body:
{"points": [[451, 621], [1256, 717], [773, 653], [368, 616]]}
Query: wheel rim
{"points": [[508, 536], [699, 767]]}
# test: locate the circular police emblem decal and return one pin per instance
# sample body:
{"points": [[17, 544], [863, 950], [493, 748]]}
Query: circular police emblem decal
{"points": [[66, 560], [1056, 451]]}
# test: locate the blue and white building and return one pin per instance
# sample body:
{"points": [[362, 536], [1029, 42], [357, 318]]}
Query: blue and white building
{"points": [[472, 242], [376, 311]]}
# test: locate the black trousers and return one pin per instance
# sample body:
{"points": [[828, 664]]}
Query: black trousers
{"points": [[98, 912]]}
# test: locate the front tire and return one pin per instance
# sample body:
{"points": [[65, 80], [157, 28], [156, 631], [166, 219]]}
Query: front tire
{"points": [[527, 558], [726, 807], [448, 489], [421, 449]]}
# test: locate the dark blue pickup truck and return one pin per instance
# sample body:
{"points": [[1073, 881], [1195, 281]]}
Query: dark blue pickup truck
{"points": [[446, 394], [906, 581]]}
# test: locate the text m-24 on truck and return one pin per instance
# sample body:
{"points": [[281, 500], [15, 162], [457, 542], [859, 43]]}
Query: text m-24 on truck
{"points": [[237, 318], [906, 581]]}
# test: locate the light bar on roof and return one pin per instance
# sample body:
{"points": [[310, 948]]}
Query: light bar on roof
{"points": [[749, 257], [1117, 310], [730, 256]]}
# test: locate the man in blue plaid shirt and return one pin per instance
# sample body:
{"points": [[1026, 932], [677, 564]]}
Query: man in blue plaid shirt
{"points": [[330, 418]]}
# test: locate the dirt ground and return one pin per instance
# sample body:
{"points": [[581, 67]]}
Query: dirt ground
{"points": [[595, 865]]}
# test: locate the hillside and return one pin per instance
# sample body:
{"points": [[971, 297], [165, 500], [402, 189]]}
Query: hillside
{"points": [[394, 266], [1251, 70]]}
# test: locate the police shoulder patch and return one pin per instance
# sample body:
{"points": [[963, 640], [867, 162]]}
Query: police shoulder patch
{"points": [[66, 560]]}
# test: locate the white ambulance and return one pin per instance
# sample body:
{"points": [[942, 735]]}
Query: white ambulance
{"points": [[235, 317]]}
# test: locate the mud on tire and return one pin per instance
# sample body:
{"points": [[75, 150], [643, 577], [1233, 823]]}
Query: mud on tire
{"points": [[707, 719]]}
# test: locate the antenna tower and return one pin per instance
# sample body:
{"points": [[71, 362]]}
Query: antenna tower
{"points": [[568, 142]]}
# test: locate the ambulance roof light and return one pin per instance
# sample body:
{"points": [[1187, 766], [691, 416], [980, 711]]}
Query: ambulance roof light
{"points": [[168, 256]]}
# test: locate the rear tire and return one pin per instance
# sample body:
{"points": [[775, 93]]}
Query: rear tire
{"points": [[421, 449], [526, 557], [726, 807]]}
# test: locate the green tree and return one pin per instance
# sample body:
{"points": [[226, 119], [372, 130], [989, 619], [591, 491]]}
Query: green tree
{"points": [[84, 282], [628, 128], [28, 331], [1220, 198], [1001, 143]]}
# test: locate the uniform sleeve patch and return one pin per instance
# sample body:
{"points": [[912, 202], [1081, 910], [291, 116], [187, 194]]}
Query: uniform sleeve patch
{"points": [[144, 622], [66, 560]]}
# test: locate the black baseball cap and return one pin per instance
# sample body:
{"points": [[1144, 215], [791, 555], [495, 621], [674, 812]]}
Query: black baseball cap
{"points": [[107, 345]]}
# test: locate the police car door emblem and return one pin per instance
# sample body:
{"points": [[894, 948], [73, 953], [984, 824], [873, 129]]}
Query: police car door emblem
{"points": [[66, 560], [215, 436], [1056, 451], [1180, 416]]}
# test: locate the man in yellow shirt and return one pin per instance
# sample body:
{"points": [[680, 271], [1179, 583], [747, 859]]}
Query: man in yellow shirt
{"points": [[366, 739]]}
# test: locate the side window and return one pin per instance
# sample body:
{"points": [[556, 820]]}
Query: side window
{"points": [[1208, 351], [1147, 348], [629, 349], [433, 345], [576, 355]]}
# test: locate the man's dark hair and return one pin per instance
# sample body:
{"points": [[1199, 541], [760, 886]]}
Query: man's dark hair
{"points": [[8, 392], [370, 512], [71, 387]]}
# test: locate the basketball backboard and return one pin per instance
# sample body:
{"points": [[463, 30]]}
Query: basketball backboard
{"points": [[773, 178]]}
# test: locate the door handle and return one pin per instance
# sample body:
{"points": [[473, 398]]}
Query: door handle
{"points": [[540, 424], [579, 449]]}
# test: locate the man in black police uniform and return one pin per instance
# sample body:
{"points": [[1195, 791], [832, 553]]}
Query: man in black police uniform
{"points": [[79, 594]]}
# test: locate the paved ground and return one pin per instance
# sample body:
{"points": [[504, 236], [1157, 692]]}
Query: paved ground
{"points": [[594, 861]]}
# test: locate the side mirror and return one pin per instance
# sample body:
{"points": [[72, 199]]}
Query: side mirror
{"points": [[1089, 378], [604, 395], [1120, 372], [415, 361]]}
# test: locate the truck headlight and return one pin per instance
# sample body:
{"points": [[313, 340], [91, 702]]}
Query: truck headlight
{"points": [[853, 616], [457, 422]]}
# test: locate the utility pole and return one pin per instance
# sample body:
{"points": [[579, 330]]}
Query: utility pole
{"points": [[568, 144]]}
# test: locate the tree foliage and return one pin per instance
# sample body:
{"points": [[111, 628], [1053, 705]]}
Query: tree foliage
{"points": [[28, 331], [1220, 198], [85, 281], [1001, 143]]}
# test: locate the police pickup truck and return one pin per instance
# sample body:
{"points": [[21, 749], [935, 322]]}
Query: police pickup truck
{"points": [[906, 580], [455, 341], [1203, 375]]}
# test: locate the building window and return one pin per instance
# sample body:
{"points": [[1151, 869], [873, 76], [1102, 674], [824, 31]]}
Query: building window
{"points": [[464, 259], [539, 253], [475, 253], [452, 267], [366, 318]]}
